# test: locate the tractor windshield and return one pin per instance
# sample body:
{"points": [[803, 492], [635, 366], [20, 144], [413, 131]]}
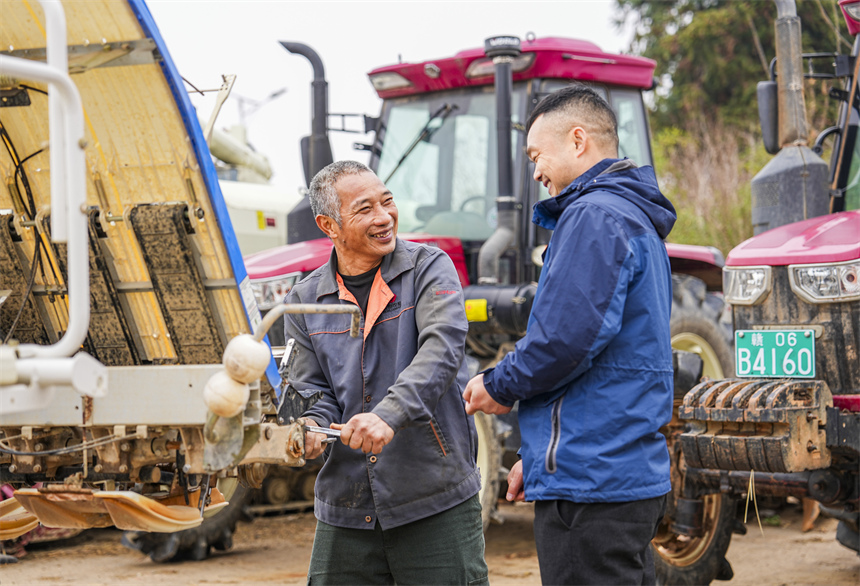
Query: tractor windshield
{"points": [[442, 168]]}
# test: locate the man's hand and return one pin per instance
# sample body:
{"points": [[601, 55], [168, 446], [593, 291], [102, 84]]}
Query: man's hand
{"points": [[478, 399], [366, 432], [313, 441], [515, 483]]}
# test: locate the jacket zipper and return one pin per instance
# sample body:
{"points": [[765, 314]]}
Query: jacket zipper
{"points": [[551, 464]]}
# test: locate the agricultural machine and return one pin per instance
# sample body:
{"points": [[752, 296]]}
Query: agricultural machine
{"points": [[789, 423], [123, 295]]}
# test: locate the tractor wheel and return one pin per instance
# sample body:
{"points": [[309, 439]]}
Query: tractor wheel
{"points": [[195, 544], [684, 560], [489, 462], [701, 324]]}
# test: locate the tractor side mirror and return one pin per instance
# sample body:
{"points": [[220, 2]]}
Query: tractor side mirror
{"points": [[768, 114]]}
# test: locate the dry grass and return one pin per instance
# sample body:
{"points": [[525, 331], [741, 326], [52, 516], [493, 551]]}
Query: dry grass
{"points": [[706, 171]]}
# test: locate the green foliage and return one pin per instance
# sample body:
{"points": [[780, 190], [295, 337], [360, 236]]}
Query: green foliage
{"points": [[710, 55]]}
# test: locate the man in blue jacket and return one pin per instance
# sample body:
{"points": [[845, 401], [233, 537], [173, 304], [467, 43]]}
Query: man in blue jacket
{"points": [[593, 375]]}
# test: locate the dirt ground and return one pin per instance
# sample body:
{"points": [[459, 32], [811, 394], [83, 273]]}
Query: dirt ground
{"points": [[276, 550]]}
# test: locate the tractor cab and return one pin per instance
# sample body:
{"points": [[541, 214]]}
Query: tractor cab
{"points": [[437, 136]]}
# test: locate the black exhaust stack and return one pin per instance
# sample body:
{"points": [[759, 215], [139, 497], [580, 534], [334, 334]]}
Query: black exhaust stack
{"points": [[502, 50], [316, 148]]}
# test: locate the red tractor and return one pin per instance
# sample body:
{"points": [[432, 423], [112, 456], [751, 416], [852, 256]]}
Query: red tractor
{"points": [[789, 424], [449, 142]]}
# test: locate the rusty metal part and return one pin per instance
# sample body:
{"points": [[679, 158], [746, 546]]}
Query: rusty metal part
{"points": [[761, 425], [284, 446], [826, 486], [252, 475]]}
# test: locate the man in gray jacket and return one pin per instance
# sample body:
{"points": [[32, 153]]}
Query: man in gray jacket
{"points": [[396, 500]]}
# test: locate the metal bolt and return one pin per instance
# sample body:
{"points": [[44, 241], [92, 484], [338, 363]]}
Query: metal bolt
{"points": [[98, 468], [187, 468], [37, 468], [810, 447], [280, 420], [123, 469], [124, 447], [740, 334], [82, 143], [268, 433], [38, 447], [13, 468], [807, 333], [810, 416]]}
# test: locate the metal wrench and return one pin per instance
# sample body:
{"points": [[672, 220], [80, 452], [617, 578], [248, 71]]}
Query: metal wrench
{"points": [[332, 433]]}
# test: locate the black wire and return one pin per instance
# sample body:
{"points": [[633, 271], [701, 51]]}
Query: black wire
{"points": [[20, 172], [63, 451], [37, 260], [35, 89], [16, 160], [40, 245]]}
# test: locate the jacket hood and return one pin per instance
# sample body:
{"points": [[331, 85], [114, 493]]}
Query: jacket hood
{"points": [[620, 177]]}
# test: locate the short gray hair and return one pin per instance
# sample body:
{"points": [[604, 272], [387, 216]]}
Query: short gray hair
{"points": [[323, 196]]}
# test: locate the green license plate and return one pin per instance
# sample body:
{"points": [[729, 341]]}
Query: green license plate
{"points": [[775, 353]]}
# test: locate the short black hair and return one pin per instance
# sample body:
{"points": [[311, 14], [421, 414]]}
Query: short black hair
{"points": [[323, 197], [584, 106]]}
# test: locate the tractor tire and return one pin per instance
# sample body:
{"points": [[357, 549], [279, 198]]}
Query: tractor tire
{"points": [[682, 560], [490, 463], [195, 544], [701, 323]]}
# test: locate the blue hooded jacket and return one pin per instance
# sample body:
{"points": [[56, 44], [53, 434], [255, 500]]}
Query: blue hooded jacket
{"points": [[593, 375]]}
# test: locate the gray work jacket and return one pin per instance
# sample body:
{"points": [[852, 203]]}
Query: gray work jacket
{"points": [[407, 366]]}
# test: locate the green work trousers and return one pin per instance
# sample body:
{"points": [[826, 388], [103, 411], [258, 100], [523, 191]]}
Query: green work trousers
{"points": [[446, 548]]}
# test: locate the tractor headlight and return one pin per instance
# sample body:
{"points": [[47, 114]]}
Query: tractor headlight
{"points": [[389, 80], [271, 292], [746, 285], [826, 283]]}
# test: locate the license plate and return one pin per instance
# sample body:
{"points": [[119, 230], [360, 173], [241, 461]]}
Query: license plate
{"points": [[775, 353]]}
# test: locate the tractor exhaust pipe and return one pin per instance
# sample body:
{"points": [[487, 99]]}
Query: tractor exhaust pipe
{"points": [[502, 50], [316, 148], [793, 186], [793, 127]]}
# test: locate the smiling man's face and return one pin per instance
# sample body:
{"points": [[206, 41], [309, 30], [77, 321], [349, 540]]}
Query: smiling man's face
{"points": [[553, 149], [368, 223]]}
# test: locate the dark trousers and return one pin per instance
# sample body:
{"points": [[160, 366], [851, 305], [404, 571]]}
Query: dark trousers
{"points": [[597, 543], [446, 548]]}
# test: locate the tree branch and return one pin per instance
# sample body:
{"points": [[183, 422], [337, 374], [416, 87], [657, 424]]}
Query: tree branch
{"points": [[759, 49]]}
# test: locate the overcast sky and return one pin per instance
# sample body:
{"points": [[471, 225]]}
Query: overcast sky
{"points": [[208, 38]]}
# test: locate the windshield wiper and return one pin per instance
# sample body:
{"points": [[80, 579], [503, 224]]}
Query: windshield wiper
{"points": [[425, 133]]}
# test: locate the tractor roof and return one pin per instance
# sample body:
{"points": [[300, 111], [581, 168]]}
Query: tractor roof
{"points": [[549, 57]]}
